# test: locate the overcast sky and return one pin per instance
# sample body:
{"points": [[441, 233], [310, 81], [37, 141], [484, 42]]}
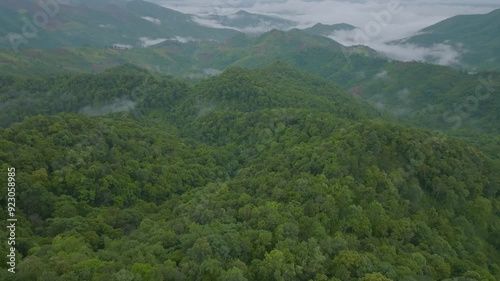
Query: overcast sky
{"points": [[410, 15]]}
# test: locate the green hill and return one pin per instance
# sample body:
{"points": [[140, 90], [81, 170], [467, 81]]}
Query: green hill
{"points": [[476, 35], [285, 177], [99, 24], [327, 30], [316, 54]]}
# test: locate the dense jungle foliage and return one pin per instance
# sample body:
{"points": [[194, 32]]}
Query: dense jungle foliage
{"points": [[264, 174]]}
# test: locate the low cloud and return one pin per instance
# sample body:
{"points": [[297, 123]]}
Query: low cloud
{"points": [[411, 18], [118, 105], [153, 20], [442, 54], [208, 72], [147, 42], [381, 75], [261, 26], [209, 22], [182, 39], [106, 26]]}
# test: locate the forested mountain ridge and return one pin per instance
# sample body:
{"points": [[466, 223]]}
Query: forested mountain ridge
{"points": [[175, 151], [274, 86], [265, 174], [475, 36], [97, 24], [251, 22], [188, 58]]}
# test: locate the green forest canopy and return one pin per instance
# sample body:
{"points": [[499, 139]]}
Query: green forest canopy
{"points": [[266, 174]]}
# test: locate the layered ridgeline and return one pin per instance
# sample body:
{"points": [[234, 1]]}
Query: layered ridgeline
{"points": [[131, 89], [250, 22], [422, 94], [99, 24], [266, 174], [195, 59], [475, 37]]}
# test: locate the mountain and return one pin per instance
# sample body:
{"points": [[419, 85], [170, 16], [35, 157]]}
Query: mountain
{"points": [[314, 53], [259, 89], [263, 174], [197, 153], [122, 24], [252, 23], [327, 30], [475, 36]]}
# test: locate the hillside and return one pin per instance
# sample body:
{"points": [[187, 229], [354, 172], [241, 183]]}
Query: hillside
{"points": [[476, 36], [195, 59], [98, 24], [274, 86], [264, 174], [326, 29]]}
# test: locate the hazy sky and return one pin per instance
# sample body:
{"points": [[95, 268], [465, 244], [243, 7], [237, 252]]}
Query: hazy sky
{"points": [[410, 16]]}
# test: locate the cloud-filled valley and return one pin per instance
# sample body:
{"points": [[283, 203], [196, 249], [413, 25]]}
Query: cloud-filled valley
{"points": [[380, 21]]}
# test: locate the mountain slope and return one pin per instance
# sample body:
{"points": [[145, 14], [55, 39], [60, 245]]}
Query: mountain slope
{"points": [[327, 30], [475, 35], [317, 54], [275, 86], [287, 189], [98, 24]]}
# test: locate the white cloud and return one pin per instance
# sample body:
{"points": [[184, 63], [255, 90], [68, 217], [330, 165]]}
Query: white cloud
{"points": [[147, 42], [443, 54], [153, 20], [118, 105], [106, 26], [182, 39], [439, 54], [381, 75], [260, 27], [369, 15], [209, 22]]}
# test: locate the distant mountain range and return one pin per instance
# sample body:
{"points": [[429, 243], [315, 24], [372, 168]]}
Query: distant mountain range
{"points": [[250, 22], [97, 24], [120, 24], [327, 30], [476, 37]]}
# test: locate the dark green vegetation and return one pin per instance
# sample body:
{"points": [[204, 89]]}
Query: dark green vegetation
{"points": [[325, 165], [98, 24], [193, 58], [265, 174], [475, 35], [328, 29], [419, 94]]}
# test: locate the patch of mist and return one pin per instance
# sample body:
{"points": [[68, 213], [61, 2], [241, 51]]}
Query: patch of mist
{"points": [[205, 107], [381, 75], [445, 53], [182, 39], [118, 105], [153, 20], [208, 72], [147, 42]]}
